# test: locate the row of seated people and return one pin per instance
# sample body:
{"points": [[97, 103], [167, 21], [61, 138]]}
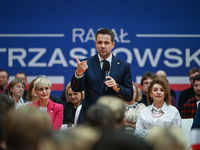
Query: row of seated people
{"points": [[74, 98], [102, 128]]}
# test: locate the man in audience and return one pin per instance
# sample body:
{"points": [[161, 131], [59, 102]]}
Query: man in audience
{"points": [[190, 107], [21, 75], [164, 74], [4, 78], [188, 93], [145, 83]]}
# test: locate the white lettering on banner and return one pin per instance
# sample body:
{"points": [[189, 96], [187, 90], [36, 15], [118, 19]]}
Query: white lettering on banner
{"points": [[173, 57], [41, 52], [20, 58], [80, 32], [73, 52], [57, 52], [193, 57], [147, 53], [126, 51]]}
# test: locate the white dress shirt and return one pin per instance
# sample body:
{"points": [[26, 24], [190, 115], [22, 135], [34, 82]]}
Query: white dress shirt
{"points": [[150, 116]]}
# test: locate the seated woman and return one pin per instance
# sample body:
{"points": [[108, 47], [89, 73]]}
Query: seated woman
{"points": [[15, 91], [133, 109], [160, 112], [42, 87], [31, 95], [73, 101]]}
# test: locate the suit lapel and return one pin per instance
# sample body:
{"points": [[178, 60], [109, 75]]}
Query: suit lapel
{"points": [[97, 69], [50, 110], [114, 67]]}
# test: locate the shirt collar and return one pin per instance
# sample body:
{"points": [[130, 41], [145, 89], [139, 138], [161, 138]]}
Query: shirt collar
{"points": [[163, 108], [20, 100], [108, 59]]}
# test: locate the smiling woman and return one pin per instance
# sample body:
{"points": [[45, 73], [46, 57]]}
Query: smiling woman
{"points": [[42, 87], [160, 112]]}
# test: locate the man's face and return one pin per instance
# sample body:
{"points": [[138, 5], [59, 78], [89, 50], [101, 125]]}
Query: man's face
{"points": [[146, 84], [196, 87], [192, 77], [3, 79], [21, 76], [104, 45]]}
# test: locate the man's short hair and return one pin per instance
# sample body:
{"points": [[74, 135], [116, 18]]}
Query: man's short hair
{"points": [[147, 75], [196, 77], [193, 70], [106, 31], [8, 75]]}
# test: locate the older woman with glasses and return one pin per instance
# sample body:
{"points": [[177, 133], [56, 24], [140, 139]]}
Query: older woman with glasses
{"points": [[42, 87], [73, 101]]}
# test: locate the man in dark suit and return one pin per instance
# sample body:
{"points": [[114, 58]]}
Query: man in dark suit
{"points": [[89, 75]]}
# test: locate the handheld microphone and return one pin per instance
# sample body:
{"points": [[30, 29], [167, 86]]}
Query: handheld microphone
{"points": [[106, 69]]}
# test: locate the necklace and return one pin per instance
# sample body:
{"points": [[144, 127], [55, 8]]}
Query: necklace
{"points": [[156, 114]]}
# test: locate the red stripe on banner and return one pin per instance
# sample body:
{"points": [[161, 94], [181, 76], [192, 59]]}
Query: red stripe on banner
{"points": [[55, 87], [196, 147], [179, 87], [176, 87]]}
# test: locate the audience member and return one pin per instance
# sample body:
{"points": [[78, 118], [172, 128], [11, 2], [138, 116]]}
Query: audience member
{"points": [[117, 106], [133, 109], [145, 82], [53, 98], [100, 116], [80, 138], [6, 104], [159, 112], [21, 75], [120, 141], [24, 127], [16, 91], [187, 94], [164, 74], [171, 138], [4, 78], [89, 74], [42, 87], [190, 107], [31, 95], [73, 100]]}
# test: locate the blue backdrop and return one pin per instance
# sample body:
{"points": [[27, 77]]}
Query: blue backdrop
{"points": [[42, 37]]}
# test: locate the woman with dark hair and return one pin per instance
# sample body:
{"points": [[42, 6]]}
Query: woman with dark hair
{"points": [[160, 112]]}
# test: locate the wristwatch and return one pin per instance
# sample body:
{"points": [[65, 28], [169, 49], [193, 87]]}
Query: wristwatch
{"points": [[118, 87]]}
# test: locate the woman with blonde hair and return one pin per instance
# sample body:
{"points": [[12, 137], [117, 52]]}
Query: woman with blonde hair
{"points": [[42, 87], [72, 105], [133, 109], [160, 112]]}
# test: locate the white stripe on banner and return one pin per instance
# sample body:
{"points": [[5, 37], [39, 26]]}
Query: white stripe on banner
{"points": [[169, 35], [32, 35], [171, 79], [53, 79]]}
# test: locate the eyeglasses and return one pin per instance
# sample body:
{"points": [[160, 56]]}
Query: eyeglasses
{"points": [[43, 89], [72, 94]]}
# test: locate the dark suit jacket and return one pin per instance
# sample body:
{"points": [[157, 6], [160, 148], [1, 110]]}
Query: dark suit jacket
{"points": [[93, 85]]}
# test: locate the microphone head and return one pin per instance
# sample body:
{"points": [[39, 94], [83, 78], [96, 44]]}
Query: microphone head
{"points": [[106, 66]]}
